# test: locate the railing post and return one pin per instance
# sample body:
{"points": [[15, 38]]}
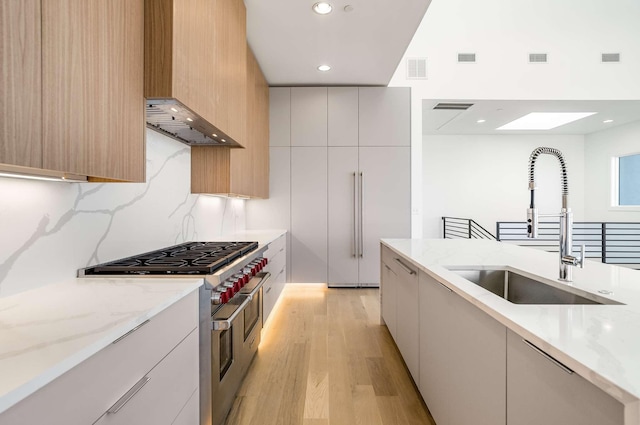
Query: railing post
{"points": [[444, 227], [604, 242], [469, 221]]}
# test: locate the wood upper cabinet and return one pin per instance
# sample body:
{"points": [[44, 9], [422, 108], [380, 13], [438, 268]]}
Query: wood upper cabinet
{"points": [[20, 83], [258, 125], [195, 52], [92, 71], [71, 88], [242, 172]]}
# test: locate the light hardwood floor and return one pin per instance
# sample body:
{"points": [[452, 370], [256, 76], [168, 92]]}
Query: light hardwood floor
{"points": [[326, 360]]}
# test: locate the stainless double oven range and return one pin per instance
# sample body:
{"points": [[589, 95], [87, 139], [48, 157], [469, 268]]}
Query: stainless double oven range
{"points": [[230, 309]]}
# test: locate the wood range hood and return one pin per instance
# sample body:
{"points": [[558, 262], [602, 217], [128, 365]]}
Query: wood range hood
{"points": [[195, 81]]}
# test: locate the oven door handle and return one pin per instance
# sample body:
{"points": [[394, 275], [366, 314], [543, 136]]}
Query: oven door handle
{"points": [[265, 277], [224, 324]]}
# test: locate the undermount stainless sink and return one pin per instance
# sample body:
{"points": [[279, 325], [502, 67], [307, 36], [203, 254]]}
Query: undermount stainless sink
{"points": [[520, 289]]}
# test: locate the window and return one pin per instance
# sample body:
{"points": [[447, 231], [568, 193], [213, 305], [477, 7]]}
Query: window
{"points": [[628, 180]]}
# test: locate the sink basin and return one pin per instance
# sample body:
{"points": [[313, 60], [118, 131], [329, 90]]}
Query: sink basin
{"points": [[520, 289]]}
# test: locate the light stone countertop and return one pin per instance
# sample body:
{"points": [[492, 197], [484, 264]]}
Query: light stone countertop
{"points": [[47, 331], [599, 342]]}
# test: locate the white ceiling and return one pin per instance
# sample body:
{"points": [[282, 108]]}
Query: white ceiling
{"points": [[499, 112], [363, 46]]}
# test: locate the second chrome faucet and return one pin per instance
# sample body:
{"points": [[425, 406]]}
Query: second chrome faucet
{"points": [[566, 216]]}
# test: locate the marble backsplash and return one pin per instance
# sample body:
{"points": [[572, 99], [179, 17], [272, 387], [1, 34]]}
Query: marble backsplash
{"points": [[48, 230]]}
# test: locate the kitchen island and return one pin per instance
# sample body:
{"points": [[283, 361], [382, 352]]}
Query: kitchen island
{"points": [[461, 342]]}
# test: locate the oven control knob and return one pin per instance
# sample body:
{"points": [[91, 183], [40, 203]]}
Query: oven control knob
{"points": [[237, 285], [224, 297], [259, 265], [216, 298], [265, 261], [241, 281], [229, 287]]}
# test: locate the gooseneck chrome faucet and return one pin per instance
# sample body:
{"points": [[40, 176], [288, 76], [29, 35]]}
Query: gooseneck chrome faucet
{"points": [[566, 216]]}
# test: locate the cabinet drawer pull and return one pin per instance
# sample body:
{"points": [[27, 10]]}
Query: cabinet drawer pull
{"points": [[443, 285], [548, 357], [128, 395], [131, 331], [405, 267], [268, 290]]}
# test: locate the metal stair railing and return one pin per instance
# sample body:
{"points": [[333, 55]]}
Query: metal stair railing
{"points": [[465, 228], [609, 242]]}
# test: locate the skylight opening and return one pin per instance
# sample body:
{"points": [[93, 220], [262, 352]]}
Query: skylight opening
{"points": [[544, 120]]}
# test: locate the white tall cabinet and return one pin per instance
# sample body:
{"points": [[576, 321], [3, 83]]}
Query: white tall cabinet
{"points": [[350, 178]]}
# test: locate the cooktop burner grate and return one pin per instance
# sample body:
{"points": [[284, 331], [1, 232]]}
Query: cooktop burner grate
{"points": [[186, 258]]}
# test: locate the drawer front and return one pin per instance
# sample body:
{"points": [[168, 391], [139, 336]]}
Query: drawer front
{"points": [[386, 256], [402, 267], [83, 394], [189, 415], [171, 384], [277, 246], [275, 286], [277, 263]]}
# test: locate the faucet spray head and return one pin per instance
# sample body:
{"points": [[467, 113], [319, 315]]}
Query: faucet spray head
{"points": [[532, 223]]}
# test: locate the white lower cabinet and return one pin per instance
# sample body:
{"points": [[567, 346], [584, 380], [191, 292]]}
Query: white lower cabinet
{"points": [[164, 349], [388, 294], [277, 266], [541, 391], [162, 398], [462, 358], [190, 413], [408, 315], [400, 307]]}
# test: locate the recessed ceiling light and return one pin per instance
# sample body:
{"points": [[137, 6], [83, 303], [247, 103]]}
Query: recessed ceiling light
{"points": [[348, 8], [222, 140], [607, 121], [324, 68], [481, 121], [544, 120], [189, 119], [174, 109], [322, 8], [215, 135]]}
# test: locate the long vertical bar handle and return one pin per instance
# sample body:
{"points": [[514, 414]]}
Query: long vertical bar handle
{"points": [[361, 214], [354, 253]]}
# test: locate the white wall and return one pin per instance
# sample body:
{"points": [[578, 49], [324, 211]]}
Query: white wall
{"points": [[486, 178], [574, 33], [49, 229], [600, 147]]}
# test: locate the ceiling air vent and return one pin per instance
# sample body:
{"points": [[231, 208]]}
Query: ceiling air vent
{"points": [[610, 57], [454, 106], [466, 57], [417, 69], [537, 58]]}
